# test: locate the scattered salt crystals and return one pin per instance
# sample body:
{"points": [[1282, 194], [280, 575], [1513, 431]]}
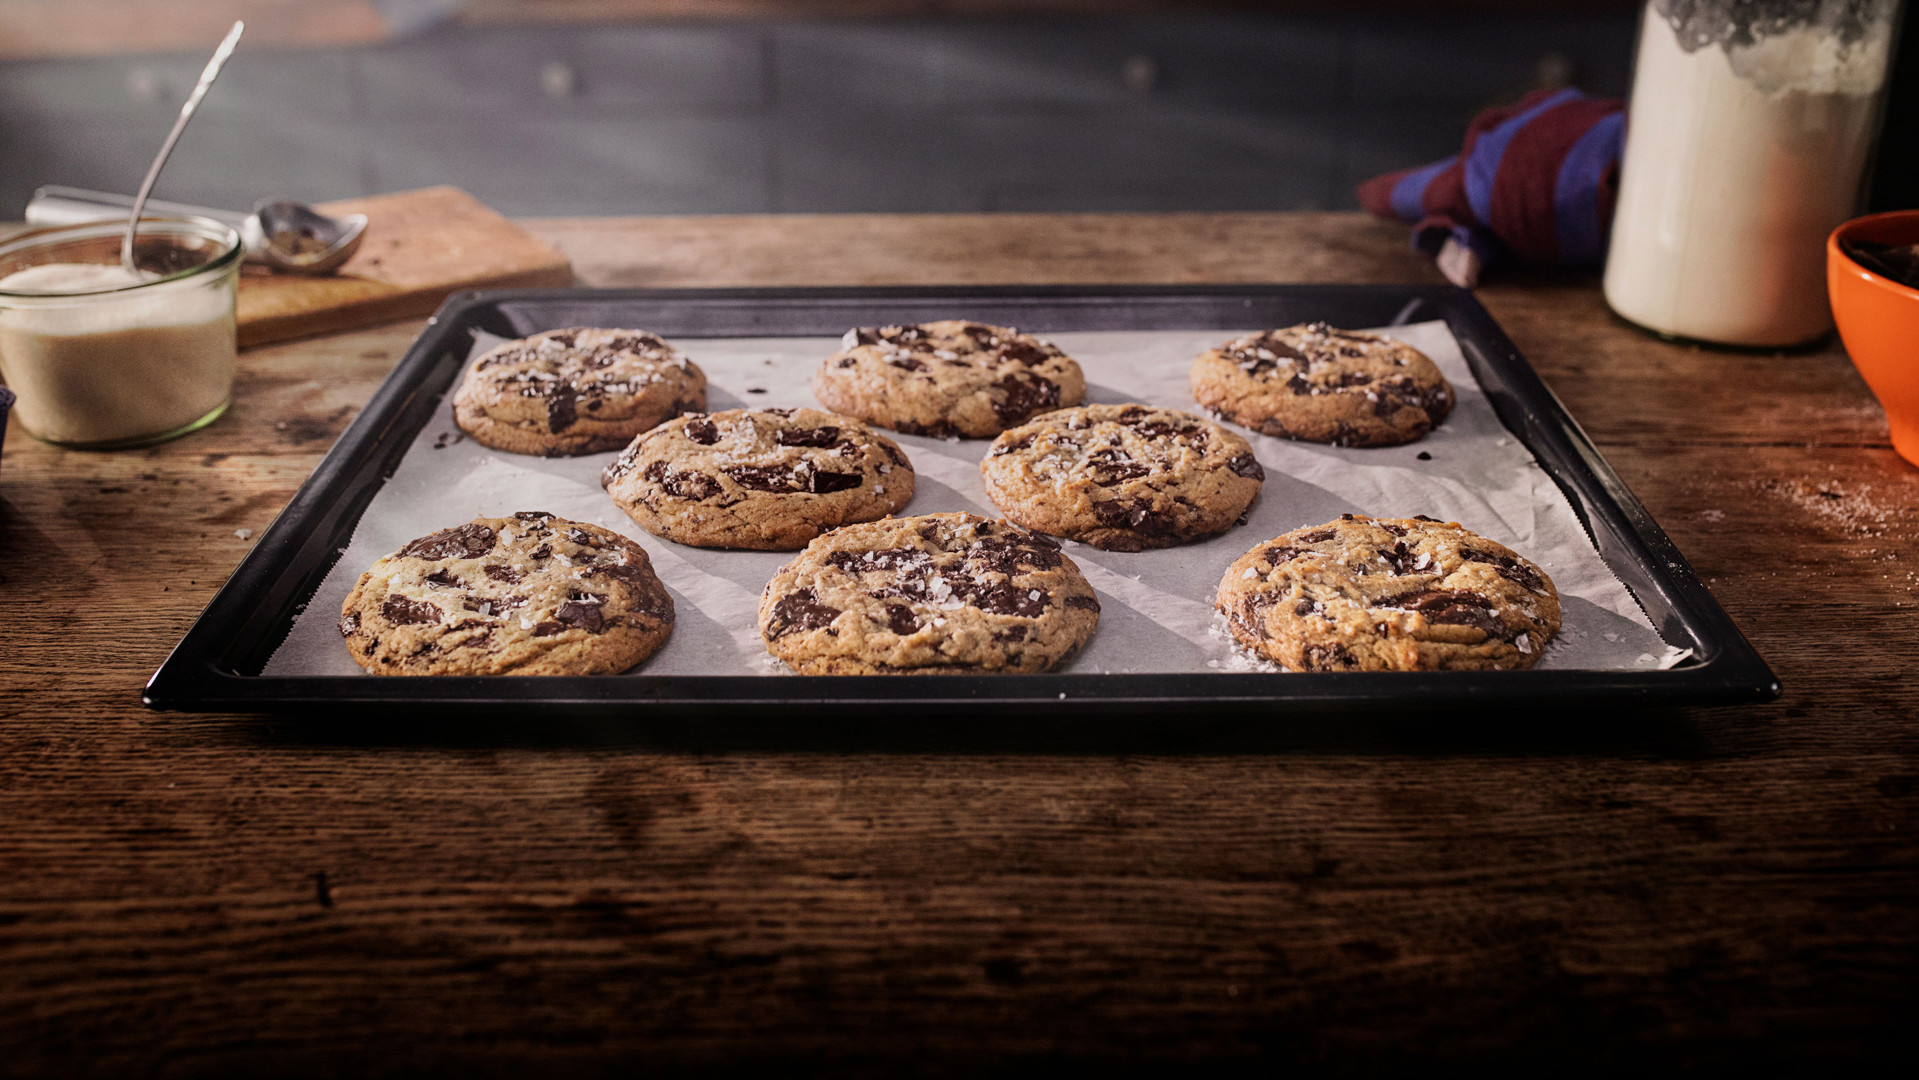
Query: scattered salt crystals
{"points": [[1250, 574], [1525, 643], [243, 534], [526, 622], [1502, 441]]}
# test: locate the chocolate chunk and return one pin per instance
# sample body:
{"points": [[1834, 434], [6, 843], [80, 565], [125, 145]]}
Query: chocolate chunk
{"points": [[1134, 514], [1016, 632], [1329, 657], [1020, 443], [1424, 456], [633, 573], [1396, 530], [863, 335], [583, 614], [563, 338], [704, 432], [543, 551], [584, 538], [502, 573], [907, 363], [1318, 536], [1453, 607], [443, 578], [1009, 599], [682, 485], [901, 620], [1303, 608], [1247, 465], [560, 410], [349, 624], [821, 483], [773, 478], [893, 452], [1281, 553], [1353, 378], [547, 628], [1008, 555], [1298, 385], [819, 436], [1026, 394], [1400, 559], [1084, 603], [1344, 434], [1023, 352], [855, 562], [1109, 467], [400, 611], [846, 362], [468, 541], [847, 448], [1509, 568], [1422, 517], [800, 610]]}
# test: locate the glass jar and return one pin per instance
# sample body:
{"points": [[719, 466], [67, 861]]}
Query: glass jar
{"points": [[99, 359], [1746, 144]]}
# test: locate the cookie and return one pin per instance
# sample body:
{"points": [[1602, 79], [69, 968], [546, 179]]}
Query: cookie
{"points": [[579, 391], [945, 379], [527, 595], [1381, 594], [767, 479], [1122, 477], [1315, 383], [942, 593]]}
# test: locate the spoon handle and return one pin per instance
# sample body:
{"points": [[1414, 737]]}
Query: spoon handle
{"points": [[166, 149]]}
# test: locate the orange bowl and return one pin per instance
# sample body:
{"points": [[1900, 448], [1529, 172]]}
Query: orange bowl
{"points": [[1878, 320]]}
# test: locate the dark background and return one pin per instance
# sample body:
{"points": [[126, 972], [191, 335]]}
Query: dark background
{"points": [[1249, 107]]}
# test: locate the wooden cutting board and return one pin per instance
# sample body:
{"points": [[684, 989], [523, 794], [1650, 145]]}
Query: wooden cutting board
{"points": [[420, 247]]}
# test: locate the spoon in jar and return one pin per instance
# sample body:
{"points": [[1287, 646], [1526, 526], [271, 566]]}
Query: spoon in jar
{"points": [[280, 233], [166, 149]]}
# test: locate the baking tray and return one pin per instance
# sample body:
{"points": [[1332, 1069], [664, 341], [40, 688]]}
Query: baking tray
{"points": [[216, 665]]}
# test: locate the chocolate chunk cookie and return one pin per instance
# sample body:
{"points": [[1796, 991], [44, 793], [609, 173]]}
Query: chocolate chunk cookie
{"points": [[943, 593], [527, 595], [947, 378], [1379, 594], [578, 391], [769, 479], [1122, 477], [1319, 384]]}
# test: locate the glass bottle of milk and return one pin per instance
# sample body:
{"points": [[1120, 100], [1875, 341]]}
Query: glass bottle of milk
{"points": [[1746, 143]]}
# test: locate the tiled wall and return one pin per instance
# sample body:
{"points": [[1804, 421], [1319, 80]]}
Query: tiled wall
{"points": [[1172, 113]]}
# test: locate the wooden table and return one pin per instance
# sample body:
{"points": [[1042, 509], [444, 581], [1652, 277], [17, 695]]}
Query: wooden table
{"points": [[241, 894]]}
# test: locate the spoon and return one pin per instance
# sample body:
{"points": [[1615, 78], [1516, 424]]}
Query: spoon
{"points": [[166, 149], [279, 233]]}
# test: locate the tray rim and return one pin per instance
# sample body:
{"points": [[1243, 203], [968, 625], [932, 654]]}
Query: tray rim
{"points": [[1728, 670]]}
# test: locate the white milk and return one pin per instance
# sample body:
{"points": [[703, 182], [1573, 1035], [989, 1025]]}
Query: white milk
{"points": [[1738, 164], [107, 368]]}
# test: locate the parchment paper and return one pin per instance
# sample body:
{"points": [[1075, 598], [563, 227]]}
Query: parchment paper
{"points": [[1156, 606]]}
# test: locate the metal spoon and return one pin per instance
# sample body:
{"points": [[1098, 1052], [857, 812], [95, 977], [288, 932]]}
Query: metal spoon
{"points": [[166, 149], [280, 233]]}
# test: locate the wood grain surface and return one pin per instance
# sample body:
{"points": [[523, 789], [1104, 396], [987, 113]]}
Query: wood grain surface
{"points": [[420, 247], [383, 894]]}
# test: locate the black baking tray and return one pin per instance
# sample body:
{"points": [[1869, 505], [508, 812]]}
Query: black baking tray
{"points": [[216, 665]]}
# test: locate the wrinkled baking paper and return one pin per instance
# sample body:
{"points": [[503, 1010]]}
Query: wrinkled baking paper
{"points": [[1156, 607]]}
